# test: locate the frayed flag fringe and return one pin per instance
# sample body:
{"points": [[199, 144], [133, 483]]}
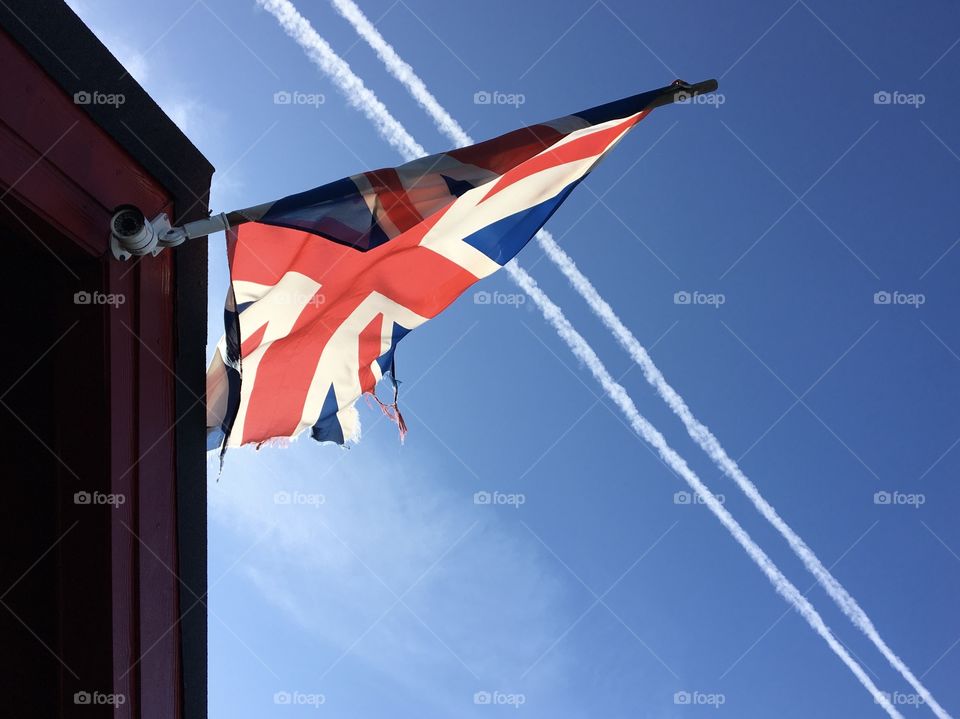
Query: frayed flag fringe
{"points": [[391, 410]]}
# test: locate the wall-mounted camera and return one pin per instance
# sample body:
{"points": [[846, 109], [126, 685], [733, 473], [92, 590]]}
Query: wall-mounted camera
{"points": [[131, 234]]}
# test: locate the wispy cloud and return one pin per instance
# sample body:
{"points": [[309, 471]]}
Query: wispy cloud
{"points": [[698, 431], [478, 600], [134, 61]]}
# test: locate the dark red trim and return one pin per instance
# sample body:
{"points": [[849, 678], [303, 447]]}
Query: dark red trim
{"points": [[63, 167]]}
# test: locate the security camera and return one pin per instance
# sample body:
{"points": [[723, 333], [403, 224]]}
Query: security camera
{"points": [[130, 233]]}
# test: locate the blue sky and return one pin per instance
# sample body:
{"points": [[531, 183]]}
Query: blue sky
{"points": [[384, 590]]}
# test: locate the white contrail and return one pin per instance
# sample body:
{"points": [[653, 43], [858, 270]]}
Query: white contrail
{"points": [[337, 69], [708, 442], [402, 71], [320, 52], [699, 432], [578, 345]]}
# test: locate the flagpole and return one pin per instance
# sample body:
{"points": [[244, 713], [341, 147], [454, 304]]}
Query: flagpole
{"points": [[133, 234], [677, 91]]}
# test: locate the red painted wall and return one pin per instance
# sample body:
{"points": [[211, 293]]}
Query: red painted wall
{"points": [[60, 177]]}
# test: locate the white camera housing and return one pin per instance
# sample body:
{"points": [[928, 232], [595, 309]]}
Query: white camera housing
{"points": [[132, 235]]}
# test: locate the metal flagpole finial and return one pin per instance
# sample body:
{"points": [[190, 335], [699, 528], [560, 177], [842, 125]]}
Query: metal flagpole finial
{"points": [[681, 91], [696, 88]]}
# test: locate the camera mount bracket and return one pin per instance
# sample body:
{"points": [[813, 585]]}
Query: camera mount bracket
{"points": [[132, 235]]}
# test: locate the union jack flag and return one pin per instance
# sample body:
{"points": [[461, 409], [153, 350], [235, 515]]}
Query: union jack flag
{"points": [[325, 283]]}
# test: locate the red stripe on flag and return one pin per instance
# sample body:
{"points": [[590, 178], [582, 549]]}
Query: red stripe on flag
{"points": [[262, 262], [392, 197], [592, 145], [370, 339], [501, 153], [416, 277], [252, 342]]}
